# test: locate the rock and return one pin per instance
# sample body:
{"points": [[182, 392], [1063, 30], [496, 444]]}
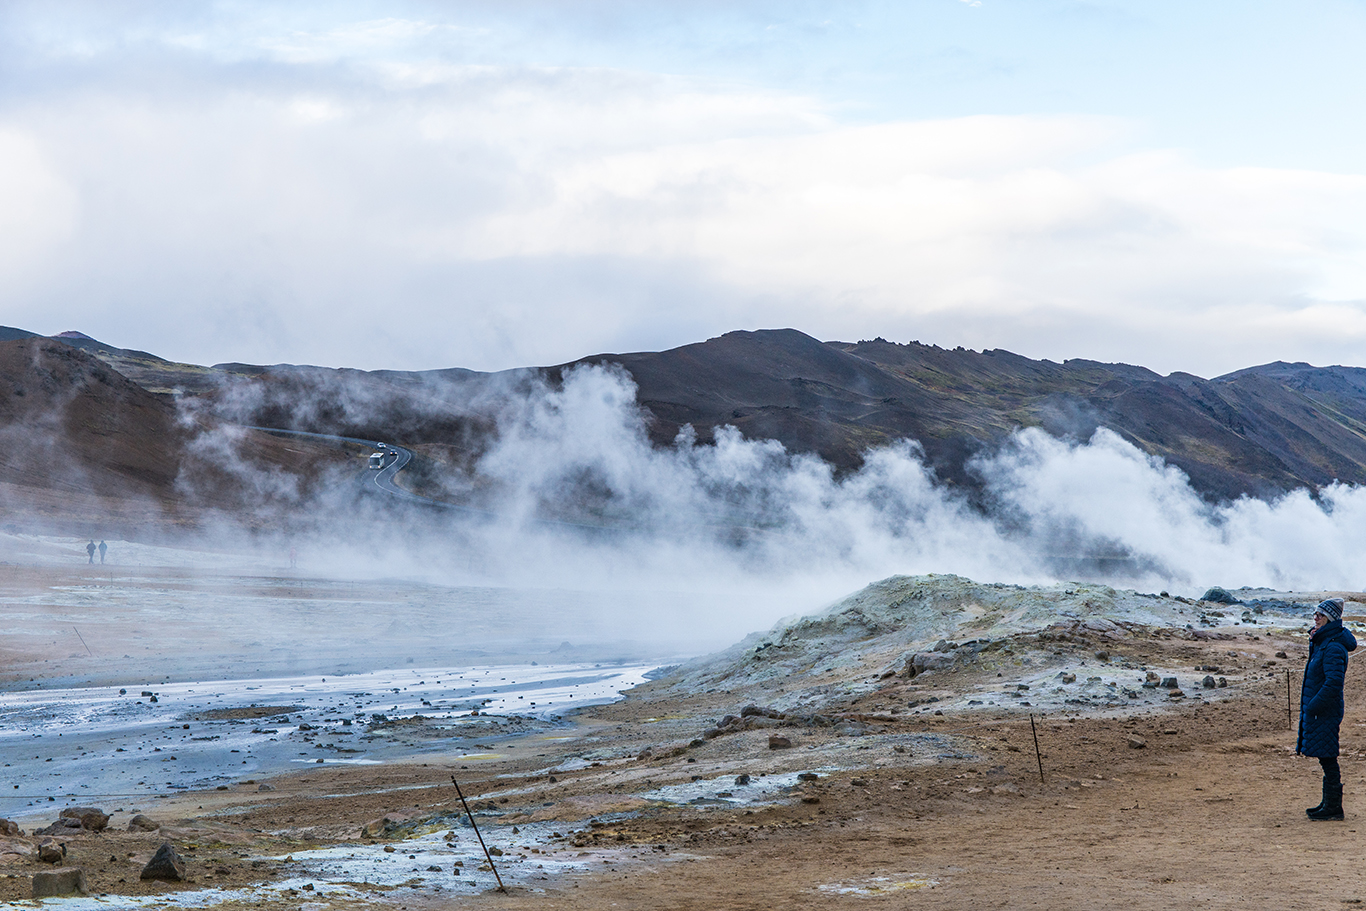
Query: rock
{"points": [[1223, 682], [1176, 694], [1169, 683], [778, 742], [1219, 596], [140, 823], [10, 828], [1102, 655], [1137, 743], [1068, 678], [166, 864], [742, 779], [858, 782], [1208, 683], [61, 881], [1282, 655], [52, 852], [763, 711], [89, 818], [265, 787], [811, 798], [808, 776], [387, 824], [922, 662]]}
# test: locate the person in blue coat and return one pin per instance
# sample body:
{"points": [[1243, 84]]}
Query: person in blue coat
{"points": [[1321, 706]]}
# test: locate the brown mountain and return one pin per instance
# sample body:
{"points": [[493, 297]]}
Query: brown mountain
{"points": [[1258, 431], [83, 445]]}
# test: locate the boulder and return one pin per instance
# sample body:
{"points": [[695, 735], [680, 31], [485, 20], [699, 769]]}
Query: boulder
{"points": [[89, 818], [52, 852], [166, 864], [61, 881], [13, 851], [140, 823], [763, 711], [10, 828], [921, 662], [1219, 596], [1137, 743], [778, 742]]}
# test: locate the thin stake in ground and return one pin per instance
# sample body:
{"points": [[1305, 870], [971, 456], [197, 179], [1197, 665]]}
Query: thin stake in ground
{"points": [[82, 638], [473, 825], [1288, 723], [1037, 754]]}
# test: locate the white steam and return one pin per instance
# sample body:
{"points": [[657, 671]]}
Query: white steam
{"points": [[1098, 509]]}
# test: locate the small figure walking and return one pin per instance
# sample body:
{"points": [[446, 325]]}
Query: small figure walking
{"points": [[104, 549], [90, 549], [1321, 706]]}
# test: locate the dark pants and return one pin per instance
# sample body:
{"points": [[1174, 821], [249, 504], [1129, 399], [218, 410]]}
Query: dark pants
{"points": [[1332, 775]]}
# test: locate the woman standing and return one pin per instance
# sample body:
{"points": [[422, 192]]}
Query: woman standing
{"points": [[1321, 707]]}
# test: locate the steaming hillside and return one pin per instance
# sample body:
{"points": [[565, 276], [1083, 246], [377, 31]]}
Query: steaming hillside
{"points": [[1258, 431], [78, 437]]}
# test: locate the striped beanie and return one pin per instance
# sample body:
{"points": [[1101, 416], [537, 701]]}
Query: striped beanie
{"points": [[1332, 608]]}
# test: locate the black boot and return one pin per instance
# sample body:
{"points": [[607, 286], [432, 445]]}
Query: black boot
{"points": [[1332, 804], [1323, 801]]}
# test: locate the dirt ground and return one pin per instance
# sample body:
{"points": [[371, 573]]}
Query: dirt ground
{"points": [[1196, 804]]}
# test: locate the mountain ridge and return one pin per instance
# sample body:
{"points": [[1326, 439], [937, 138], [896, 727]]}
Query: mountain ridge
{"points": [[1259, 431]]}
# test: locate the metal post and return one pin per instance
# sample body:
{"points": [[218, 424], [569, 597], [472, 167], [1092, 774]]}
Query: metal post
{"points": [[1037, 754], [492, 865]]}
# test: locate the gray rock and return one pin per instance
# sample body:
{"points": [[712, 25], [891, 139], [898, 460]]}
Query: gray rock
{"points": [[52, 852], [1208, 683], [89, 818], [742, 779], [778, 742], [166, 864], [1137, 743], [1169, 683], [61, 881], [1219, 596], [140, 823]]}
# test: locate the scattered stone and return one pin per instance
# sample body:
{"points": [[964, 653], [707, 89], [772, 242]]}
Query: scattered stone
{"points": [[1137, 743], [808, 776], [140, 823], [1208, 683], [1176, 694], [763, 711], [166, 865], [61, 881], [10, 827], [1219, 596], [87, 817], [1223, 682], [811, 798], [265, 787], [1169, 683], [778, 742], [1282, 655], [52, 852], [742, 779], [1102, 655], [859, 782], [1068, 678]]}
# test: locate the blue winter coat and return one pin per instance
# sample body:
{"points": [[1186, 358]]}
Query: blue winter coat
{"points": [[1321, 694]]}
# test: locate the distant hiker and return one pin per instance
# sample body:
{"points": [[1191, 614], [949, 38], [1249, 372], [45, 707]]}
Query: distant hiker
{"points": [[1321, 707], [104, 549], [90, 549]]}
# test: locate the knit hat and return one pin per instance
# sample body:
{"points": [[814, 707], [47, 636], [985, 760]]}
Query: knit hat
{"points": [[1332, 608]]}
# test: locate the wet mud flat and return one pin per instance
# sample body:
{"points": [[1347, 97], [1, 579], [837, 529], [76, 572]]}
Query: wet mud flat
{"points": [[68, 746]]}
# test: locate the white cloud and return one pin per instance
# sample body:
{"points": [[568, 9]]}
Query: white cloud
{"points": [[515, 214]]}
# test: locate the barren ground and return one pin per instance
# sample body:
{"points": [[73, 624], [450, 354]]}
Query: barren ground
{"points": [[910, 808]]}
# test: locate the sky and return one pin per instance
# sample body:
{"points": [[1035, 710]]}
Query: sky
{"points": [[418, 185]]}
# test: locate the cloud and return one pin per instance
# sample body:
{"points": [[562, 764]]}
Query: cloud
{"points": [[369, 193]]}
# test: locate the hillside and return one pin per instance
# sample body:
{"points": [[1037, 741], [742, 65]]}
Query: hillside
{"points": [[1258, 431], [84, 447]]}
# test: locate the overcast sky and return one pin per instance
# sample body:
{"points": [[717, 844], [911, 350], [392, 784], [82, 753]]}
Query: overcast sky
{"points": [[492, 184]]}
